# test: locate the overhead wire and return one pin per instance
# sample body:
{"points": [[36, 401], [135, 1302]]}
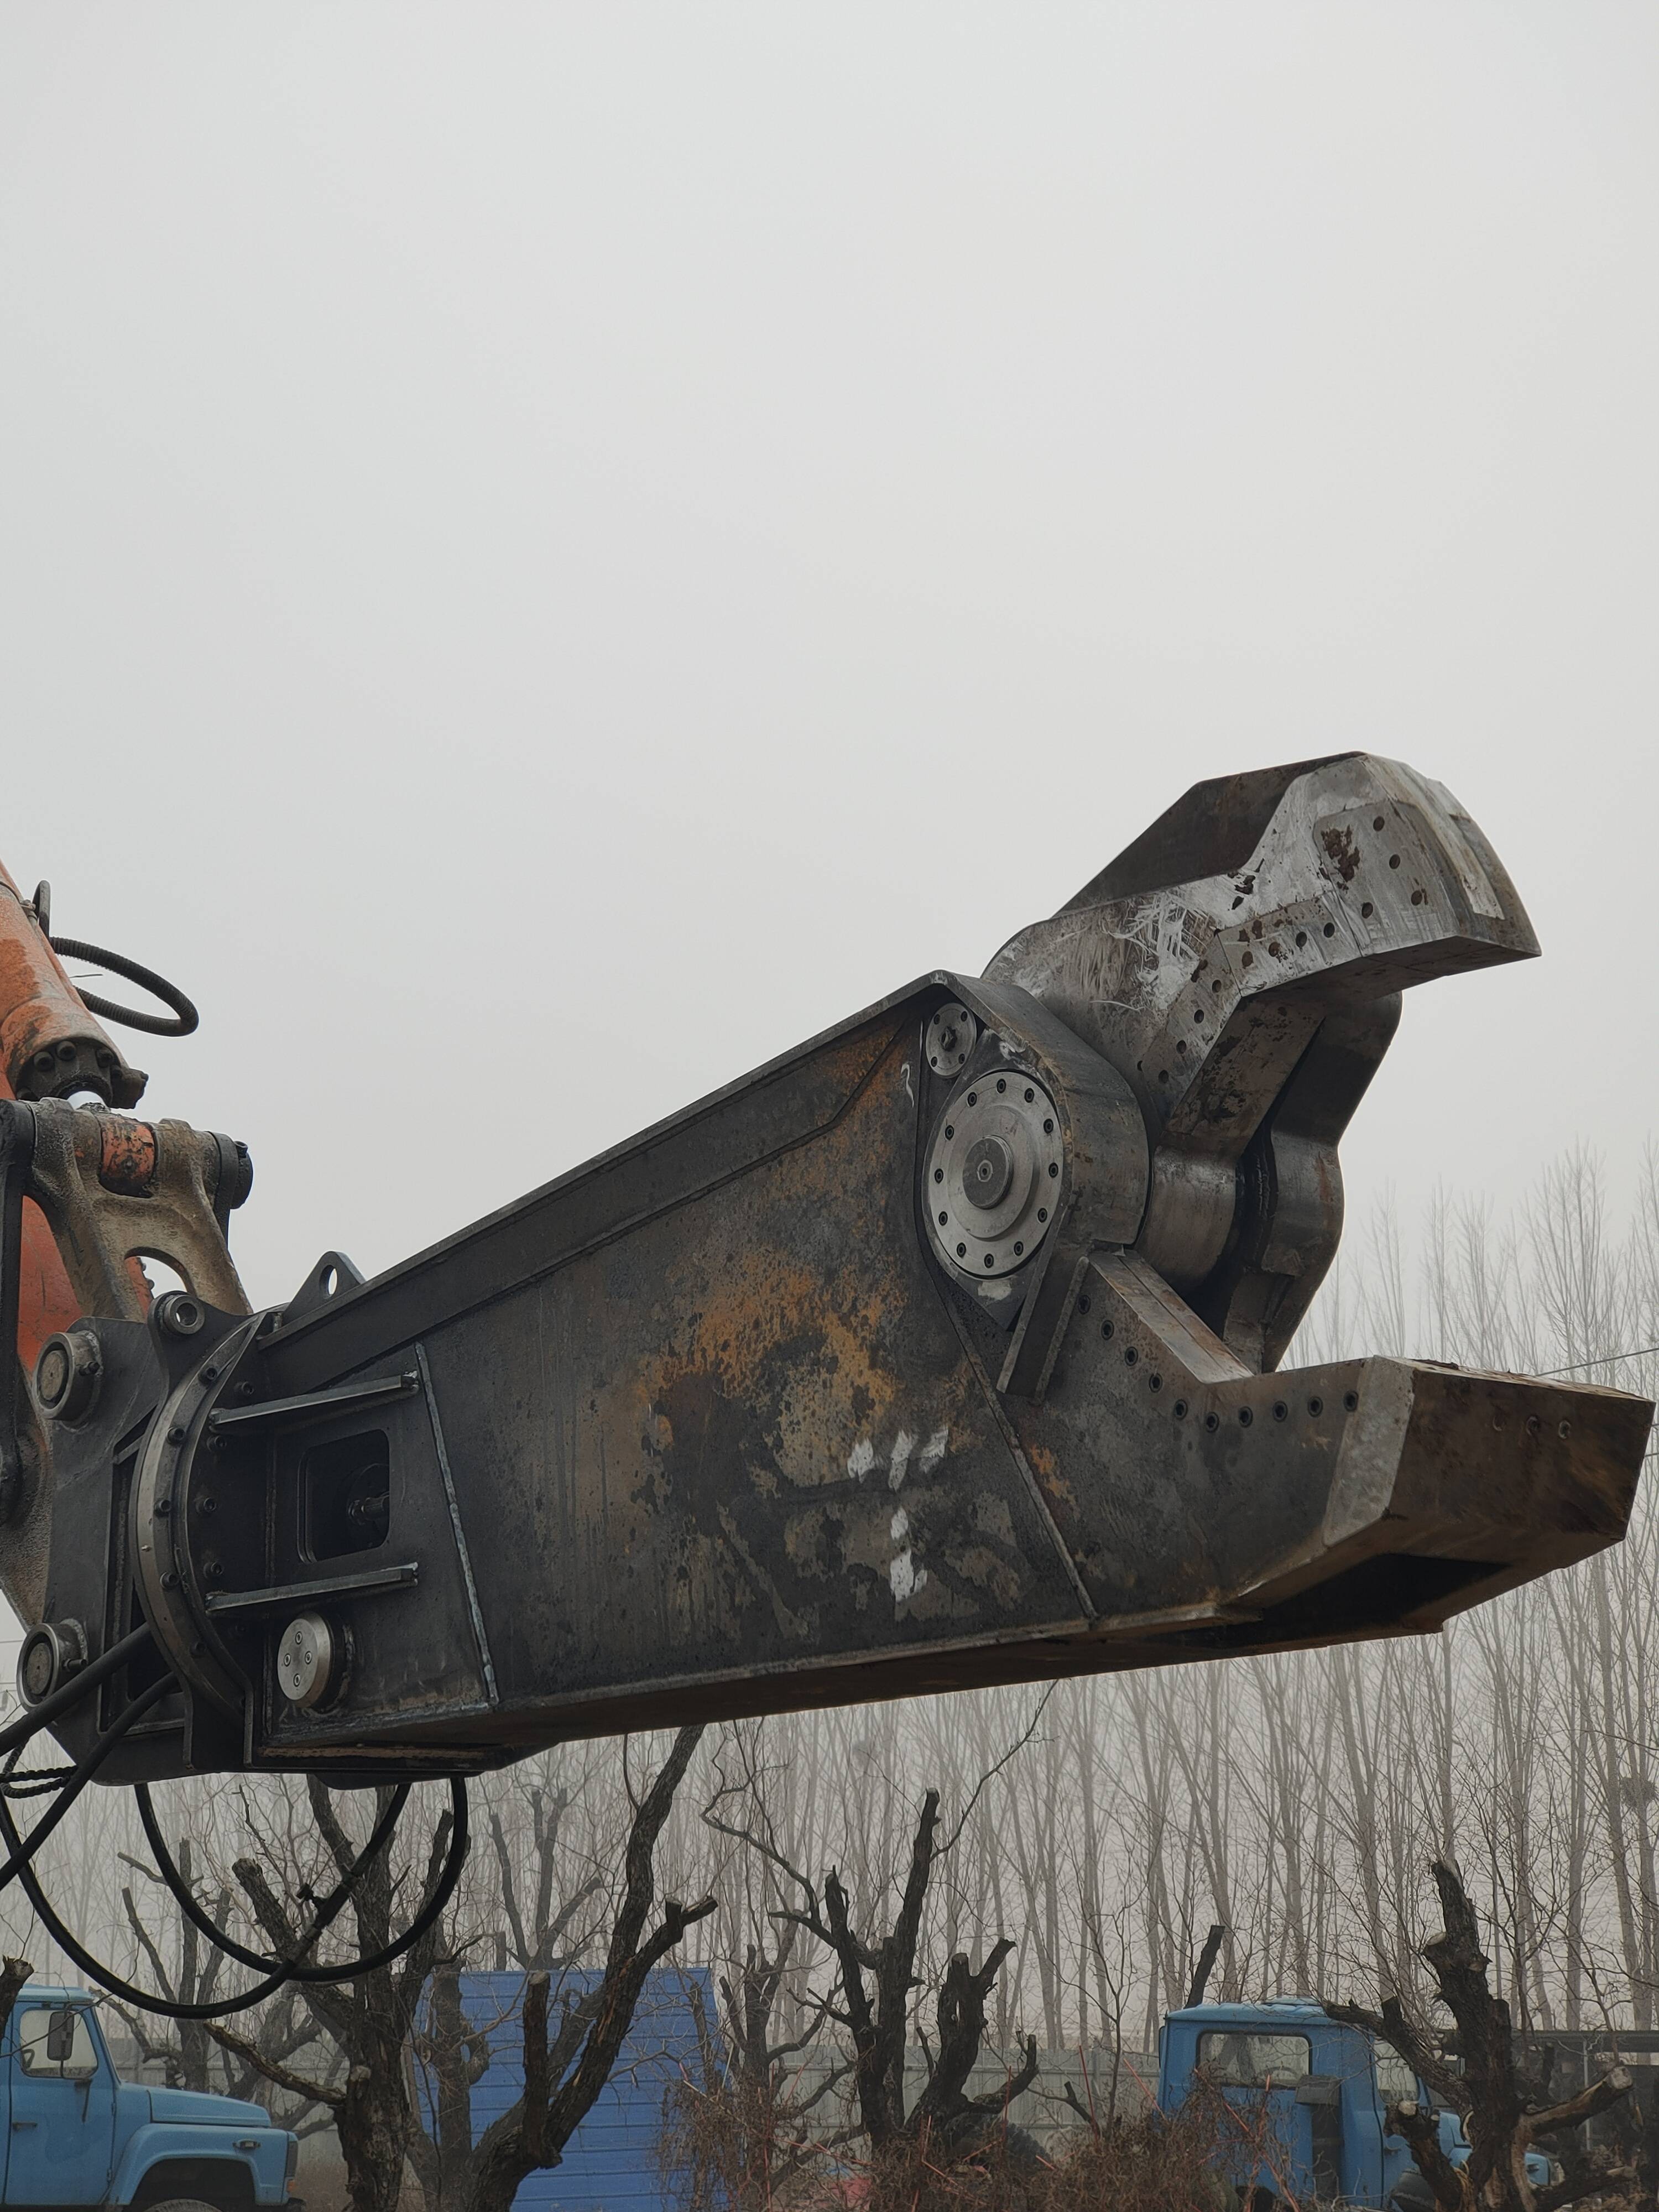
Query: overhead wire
{"points": [[1607, 1360]]}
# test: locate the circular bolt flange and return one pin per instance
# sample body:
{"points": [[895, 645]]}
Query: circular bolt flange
{"points": [[178, 1314], [992, 1170], [50, 1655], [67, 1375], [307, 1661], [951, 1036]]}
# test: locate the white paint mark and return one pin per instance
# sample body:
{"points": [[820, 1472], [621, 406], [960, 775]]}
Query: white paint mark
{"points": [[901, 1526], [900, 1461], [861, 1460], [933, 1450], [905, 1071], [905, 1577]]}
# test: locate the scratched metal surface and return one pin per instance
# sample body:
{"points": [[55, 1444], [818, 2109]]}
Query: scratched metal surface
{"points": [[745, 1438]]}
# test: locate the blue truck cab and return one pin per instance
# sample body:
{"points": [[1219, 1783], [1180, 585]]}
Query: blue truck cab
{"points": [[72, 2133], [1300, 2103]]}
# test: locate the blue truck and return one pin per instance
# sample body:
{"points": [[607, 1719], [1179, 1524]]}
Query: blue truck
{"points": [[1301, 2102], [73, 2133]]}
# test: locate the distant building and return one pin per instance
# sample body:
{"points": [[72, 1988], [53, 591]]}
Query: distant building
{"points": [[610, 2163]]}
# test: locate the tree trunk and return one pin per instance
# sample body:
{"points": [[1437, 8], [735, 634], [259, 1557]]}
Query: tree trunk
{"points": [[375, 2120], [14, 1973], [561, 2082]]}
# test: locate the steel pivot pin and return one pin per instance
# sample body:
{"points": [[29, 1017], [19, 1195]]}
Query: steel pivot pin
{"points": [[67, 1373]]}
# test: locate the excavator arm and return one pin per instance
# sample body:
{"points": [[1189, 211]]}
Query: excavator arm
{"points": [[943, 1351]]}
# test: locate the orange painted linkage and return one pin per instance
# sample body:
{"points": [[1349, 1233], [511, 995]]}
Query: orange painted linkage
{"points": [[50, 1046]]}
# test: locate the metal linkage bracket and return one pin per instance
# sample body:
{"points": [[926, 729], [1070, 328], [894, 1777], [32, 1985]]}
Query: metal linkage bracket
{"points": [[16, 1164], [114, 1190]]}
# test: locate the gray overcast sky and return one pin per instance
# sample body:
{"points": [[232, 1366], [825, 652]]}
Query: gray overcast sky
{"points": [[549, 552]]}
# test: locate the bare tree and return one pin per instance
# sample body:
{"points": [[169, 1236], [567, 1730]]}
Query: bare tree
{"points": [[188, 1970], [1505, 2114], [563, 2075], [369, 2019], [14, 1974], [544, 1898], [742, 2136], [191, 1976], [876, 1977]]}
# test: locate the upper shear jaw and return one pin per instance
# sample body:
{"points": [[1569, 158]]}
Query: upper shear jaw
{"points": [[1248, 1006]]}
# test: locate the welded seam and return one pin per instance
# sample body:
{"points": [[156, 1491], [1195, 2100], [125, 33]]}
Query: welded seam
{"points": [[1033, 1489], [473, 1605]]}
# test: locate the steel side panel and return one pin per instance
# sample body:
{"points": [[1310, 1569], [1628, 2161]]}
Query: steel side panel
{"points": [[744, 1436], [703, 1146], [737, 1452], [748, 1434]]}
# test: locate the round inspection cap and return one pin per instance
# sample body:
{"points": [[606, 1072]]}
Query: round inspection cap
{"points": [[51, 1373], [306, 1661], [49, 1655]]}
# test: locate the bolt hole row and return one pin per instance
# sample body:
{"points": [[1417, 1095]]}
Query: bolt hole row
{"points": [[1281, 1410]]}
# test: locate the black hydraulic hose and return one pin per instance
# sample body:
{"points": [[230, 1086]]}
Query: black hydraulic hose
{"points": [[170, 2009], [29, 1724], [184, 1018], [15, 1739], [22, 1850], [328, 1907]]}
